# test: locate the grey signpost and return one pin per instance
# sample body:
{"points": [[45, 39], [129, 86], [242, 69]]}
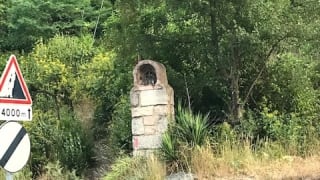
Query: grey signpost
{"points": [[15, 105]]}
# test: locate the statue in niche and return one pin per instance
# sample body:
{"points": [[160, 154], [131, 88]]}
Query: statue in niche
{"points": [[148, 75]]}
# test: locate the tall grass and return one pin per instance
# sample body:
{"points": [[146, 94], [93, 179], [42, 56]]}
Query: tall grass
{"points": [[238, 159], [232, 159], [53, 171], [137, 168]]}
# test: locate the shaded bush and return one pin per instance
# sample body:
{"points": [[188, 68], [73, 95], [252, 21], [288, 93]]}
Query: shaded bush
{"points": [[295, 132], [120, 126], [63, 140]]}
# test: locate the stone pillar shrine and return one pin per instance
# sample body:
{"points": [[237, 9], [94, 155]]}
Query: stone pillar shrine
{"points": [[152, 106]]}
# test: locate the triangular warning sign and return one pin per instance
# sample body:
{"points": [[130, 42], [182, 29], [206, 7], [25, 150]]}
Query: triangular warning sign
{"points": [[13, 89]]}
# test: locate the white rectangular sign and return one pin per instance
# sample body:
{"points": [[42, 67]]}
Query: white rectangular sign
{"points": [[15, 112]]}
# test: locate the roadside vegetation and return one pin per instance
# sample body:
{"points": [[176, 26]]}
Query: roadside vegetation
{"points": [[221, 152]]}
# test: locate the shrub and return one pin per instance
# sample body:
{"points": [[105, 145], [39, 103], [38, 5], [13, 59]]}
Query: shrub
{"points": [[63, 140], [224, 133], [189, 131], [54, 171], [169, 147], [120, 127], [75, 146], [296, 133], [120, 168], [23, 174], [189, 128]]}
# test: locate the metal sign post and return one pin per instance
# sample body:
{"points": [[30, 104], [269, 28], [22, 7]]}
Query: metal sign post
{"points": [[9, 176]]}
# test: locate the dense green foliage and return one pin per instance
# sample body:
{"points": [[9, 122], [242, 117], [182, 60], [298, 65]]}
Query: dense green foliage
{"points": [[252, 64]]}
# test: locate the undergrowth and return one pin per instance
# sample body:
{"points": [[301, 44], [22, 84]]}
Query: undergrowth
{"points": [[137, 168], [191, 146]]}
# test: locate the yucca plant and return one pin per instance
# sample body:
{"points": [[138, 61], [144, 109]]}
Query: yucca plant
{"points": [[187, 132], [169, 147], [191, 129]]}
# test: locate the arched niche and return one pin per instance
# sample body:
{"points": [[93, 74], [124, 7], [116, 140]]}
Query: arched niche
{"points": [[148, 73]]}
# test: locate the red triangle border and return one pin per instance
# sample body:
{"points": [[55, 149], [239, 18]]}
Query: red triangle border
{"points": [[13, 62]]}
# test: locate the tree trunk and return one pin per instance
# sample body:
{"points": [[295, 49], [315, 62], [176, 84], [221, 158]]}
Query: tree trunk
{"points": [[235, 78], [214, 29]]}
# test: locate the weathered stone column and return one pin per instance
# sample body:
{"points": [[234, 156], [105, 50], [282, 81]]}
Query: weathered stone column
{"points": [[152, 106]]}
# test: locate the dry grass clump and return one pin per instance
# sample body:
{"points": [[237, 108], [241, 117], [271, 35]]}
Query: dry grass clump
{"points": [[149, 168], [231, 160], [203, 162], [241, 162], [209, 164], [155, 169], [290, 167]]}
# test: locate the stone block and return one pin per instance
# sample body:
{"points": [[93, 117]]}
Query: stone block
{"points": [[137, 126], [153, 97], [147, 142], [170, 94], [161, 110], [162, 124], [142, 111], [134, 98], [135, 142], [149, 130], [150, 120]]}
